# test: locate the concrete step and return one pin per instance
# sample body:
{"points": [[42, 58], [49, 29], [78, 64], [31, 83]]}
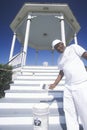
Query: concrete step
{"points": [[53, 120], [26, 109], [27, 112], [36, 90], [26, 123], [26, 100], [52, 105], [25, 85], [33, 71], [47, 95], [25, 91], [40, 67], [30, 73], [30, 127], [59, 87], [46, 74], [26, 88], [36, 81], [36, 77]]}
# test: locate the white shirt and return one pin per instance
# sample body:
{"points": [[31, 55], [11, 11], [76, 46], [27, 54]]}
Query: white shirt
{"points": [[72, 65]]}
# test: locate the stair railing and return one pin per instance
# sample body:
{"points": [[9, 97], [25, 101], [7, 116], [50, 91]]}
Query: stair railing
{"points": [[17, 60]]}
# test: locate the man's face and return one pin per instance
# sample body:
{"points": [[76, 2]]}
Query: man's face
{"points": [[60, 47]]}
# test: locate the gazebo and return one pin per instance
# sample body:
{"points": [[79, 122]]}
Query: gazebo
{"points": [[37, 25]]}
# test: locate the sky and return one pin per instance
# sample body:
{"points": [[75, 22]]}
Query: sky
{"points": [[10, 8]]}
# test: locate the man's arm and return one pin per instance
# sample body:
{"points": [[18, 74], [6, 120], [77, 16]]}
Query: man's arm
{"points": [[84, 55], [61, 74]]}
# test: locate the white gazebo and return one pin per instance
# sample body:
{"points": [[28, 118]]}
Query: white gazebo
{"points": [[37, 25]]}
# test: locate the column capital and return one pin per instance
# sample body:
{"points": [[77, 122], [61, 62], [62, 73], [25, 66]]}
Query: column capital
{"points": [[30, 17], [14, 33], [60, 18]]}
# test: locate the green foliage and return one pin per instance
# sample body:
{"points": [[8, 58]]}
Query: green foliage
{"points": [[5, 78]]}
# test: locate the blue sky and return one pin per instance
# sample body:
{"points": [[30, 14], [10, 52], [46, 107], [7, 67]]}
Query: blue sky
{"points": [[9, 9]]}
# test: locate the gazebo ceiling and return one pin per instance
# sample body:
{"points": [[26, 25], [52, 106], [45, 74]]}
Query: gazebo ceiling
{"points": [[45, 27]]}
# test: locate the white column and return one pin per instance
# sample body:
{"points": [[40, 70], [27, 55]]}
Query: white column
{"points": [[26, 39], [63, 30], [61, 20], [75, 39], [12, 46]]}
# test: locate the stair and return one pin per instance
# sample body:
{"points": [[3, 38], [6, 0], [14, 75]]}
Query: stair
{"points": [[26, 91]]}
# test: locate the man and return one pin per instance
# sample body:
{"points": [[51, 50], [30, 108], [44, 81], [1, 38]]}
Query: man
{"points": [[72, 67]]}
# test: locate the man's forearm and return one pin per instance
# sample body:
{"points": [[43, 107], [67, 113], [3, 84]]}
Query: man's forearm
{"points": [[84, 55], [61, 74]]}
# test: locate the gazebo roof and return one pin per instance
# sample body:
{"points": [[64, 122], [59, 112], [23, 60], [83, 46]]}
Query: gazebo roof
{"points": [[45, 27]]}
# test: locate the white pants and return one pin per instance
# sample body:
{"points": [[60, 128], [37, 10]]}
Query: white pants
{"points": [[75, 104]]}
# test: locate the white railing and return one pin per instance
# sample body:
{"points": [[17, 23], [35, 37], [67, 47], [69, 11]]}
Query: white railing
{"points": [[16, 61]]}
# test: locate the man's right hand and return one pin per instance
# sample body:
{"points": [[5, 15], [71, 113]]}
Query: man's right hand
{"points": [[59, 77], [52, 86]]}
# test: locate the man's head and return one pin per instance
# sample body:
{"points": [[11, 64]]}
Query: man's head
{"points": [[58, 45]]}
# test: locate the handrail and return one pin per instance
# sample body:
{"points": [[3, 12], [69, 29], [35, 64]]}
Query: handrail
{"points": [[15, 57]]}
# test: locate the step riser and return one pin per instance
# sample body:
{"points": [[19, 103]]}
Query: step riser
{"points": [[30, 88], [46, 74], [38, 73], [26, 100], [33, 71], [41, 67], [29, 120], [37, 77], [30, 127], [26, 82], [28, 112], [6, 105], [43, 96]]}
